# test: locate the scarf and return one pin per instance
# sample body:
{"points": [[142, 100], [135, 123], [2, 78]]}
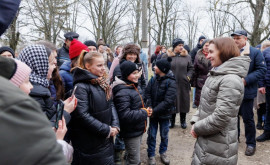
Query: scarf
{"points": [[36, 57], [103, 83], [205, 53]]}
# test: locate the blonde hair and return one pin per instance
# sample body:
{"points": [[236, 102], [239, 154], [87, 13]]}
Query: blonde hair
{"points": [[87, 57]]}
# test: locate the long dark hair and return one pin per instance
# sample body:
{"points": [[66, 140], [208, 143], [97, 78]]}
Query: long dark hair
{"points": [[57, 82]]}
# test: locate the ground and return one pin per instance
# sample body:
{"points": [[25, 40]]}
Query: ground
{"points": [[181, 145]]}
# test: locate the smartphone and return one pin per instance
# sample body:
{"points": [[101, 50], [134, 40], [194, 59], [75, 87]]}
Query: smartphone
{"points": [[73, 92], [59, 112]]}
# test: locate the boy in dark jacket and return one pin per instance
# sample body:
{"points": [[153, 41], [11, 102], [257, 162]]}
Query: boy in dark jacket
{"points": [[160, 95], [131, 111]]}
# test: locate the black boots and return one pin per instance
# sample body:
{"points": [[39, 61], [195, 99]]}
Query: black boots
{"points": [[183, 120], [172, 121], [263, 137]]}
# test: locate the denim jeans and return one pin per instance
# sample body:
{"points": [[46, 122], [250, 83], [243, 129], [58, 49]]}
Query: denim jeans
{"points": [[194, 93], [152, 133], [119, 144], [267, 115]]}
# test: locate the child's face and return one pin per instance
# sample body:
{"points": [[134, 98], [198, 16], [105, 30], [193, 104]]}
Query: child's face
{"points": [[97, 67], [134, 76], [26, 86]]}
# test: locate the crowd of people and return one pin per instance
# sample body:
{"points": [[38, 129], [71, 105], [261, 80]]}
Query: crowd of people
{"points": [[108, 103]]}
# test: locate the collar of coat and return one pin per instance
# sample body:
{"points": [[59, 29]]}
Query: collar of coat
{"points": [[172, 54], [246, 50]]}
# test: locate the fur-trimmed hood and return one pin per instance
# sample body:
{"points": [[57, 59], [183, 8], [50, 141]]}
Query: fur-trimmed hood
{"points": [[171, 53]]}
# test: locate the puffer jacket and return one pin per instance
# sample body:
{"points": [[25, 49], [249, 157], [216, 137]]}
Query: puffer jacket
{"points": [[216, 118], [66, 76], [160, 95], [129, 105], [265, 80], [90, 122], [43, 96], [141, 83]]}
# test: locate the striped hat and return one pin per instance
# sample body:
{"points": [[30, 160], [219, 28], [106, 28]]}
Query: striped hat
{"points": [[22, 72]]}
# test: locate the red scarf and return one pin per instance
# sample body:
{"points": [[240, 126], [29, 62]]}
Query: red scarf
{"points": [[205, 53]]}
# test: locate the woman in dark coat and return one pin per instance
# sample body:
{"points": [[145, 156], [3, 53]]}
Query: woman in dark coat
{"points": [[202, 65], [94, 122], [182, 69]]}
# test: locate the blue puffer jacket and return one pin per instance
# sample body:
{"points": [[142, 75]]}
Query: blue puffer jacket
{"points": [[265, 81], [66, 76], [256, 71]]}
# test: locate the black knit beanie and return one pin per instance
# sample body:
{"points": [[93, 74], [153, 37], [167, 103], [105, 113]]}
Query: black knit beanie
{"points": [[5, 48], [127, 67], [177, 41], [7, 67], [90, 43], [164, 65]]}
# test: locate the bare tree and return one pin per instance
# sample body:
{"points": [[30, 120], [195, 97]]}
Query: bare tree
{"points": [[48, 17], [253, 16], [106, 18], [163, 13], [190, 24], [220, 21]]}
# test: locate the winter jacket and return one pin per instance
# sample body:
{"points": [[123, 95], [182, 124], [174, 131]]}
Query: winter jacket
{"points": [[62, 55], [66, 76], [91, 121], [216, 117], [7, 13], [256, 71], [194, 51], [53, 93], [141, 83], [201, 69], [43, 96], [26, 134], [265, 80], [129, 105], [160, 95]]}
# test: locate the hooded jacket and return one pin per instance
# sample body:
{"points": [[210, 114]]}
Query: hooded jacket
{"points": [[129, 105], [160, 95], [216, 117], [90, 122], [66, 76], [26, 134]]}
